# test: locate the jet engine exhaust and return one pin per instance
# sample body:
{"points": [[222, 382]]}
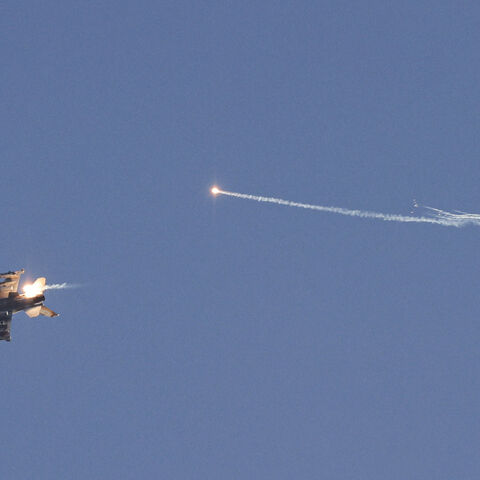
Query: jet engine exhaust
{"points": [[59, 286]]}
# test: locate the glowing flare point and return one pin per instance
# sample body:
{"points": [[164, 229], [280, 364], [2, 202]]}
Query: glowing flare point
{"points": [[32, 290], [215, 190]]}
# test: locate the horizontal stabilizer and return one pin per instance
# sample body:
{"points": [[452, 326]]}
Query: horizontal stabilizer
{"points": [[47, 312], [34, 311]]}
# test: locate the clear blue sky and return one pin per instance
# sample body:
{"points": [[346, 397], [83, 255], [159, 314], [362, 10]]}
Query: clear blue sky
{"points": [[221, 338]]}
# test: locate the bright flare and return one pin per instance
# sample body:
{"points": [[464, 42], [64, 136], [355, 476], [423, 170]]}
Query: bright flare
{"points": [[32, 290], [215, 191]]}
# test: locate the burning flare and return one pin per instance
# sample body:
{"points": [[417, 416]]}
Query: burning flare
{"points": [[34, 289]]}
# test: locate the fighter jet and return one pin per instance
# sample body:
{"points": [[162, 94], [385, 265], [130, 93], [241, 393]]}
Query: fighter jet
{"points": [[31, 302]]}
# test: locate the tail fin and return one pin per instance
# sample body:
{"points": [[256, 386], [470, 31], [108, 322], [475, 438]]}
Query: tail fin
{"points": [[47, 312], [39, 283]]}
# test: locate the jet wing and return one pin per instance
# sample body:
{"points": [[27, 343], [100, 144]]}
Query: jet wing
{"points": [[5, 322], [9, 282]]}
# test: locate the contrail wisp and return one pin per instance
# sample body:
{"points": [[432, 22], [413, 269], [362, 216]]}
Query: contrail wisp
{"points": [[59, 286], [439, 217]]}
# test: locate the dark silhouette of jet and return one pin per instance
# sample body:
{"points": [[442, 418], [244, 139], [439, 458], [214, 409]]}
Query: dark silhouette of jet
{"points": [[31, 301]]}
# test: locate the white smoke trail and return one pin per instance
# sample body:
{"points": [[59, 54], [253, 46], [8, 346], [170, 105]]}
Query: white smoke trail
{"points": [[440, 217], [59, 286], [463, 218]]}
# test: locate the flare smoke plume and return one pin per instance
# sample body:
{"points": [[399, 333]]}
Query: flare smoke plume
{"points": [[59, 286], [438, 217]]}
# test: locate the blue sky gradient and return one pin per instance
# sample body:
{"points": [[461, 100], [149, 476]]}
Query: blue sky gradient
{"points": [[221, 338]]}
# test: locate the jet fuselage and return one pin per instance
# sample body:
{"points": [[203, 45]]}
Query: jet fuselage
{"points": [[17, 303]]}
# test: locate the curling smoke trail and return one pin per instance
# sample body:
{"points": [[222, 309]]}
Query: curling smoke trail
{"points": [[59, 286], [440, 217]]}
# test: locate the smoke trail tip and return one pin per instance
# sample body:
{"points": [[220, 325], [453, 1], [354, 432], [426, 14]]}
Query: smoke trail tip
{"points": [[61, 286]]}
